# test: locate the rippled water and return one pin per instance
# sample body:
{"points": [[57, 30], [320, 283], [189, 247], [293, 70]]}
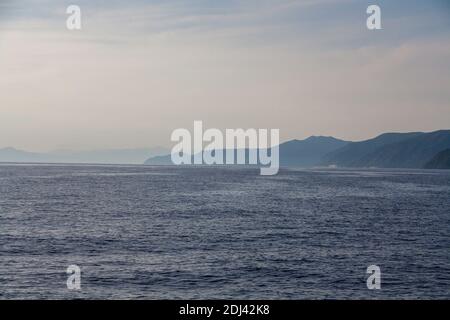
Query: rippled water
{"points": [[162, 232]]}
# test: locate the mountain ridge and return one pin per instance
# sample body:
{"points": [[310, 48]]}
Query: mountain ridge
{"points": [[395, 150], [298, 153], [387, 150]]}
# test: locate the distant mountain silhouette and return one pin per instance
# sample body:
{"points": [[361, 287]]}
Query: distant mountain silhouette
{"points": [[439, 161], [391, 150], [105, 156], [350, 155], [165, 160], [308, 152], [298, 153]]}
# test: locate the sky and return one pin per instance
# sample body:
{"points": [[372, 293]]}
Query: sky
{"points": [[139, 69]]}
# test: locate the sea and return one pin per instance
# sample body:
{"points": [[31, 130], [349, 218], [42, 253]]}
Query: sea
{"points": [[149, 232]]}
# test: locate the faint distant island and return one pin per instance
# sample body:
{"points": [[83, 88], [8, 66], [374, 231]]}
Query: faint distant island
{"points": [[102, 156], [388, 150]]}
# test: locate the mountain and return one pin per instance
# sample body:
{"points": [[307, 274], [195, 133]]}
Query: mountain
{"points": [[308, 152], [388, 150], [298, 153], [439, 161], [350, 155], [106, 156], [165, 160], [391, 150]]}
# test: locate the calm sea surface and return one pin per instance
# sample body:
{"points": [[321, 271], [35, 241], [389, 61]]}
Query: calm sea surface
{"points": [[202, 233]]}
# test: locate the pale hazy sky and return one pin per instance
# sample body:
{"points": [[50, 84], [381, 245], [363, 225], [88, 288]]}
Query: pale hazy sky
{"points": [[140, 69]]}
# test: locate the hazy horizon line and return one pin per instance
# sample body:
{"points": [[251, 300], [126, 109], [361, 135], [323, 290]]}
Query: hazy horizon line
{"points": [[169, 147]]}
